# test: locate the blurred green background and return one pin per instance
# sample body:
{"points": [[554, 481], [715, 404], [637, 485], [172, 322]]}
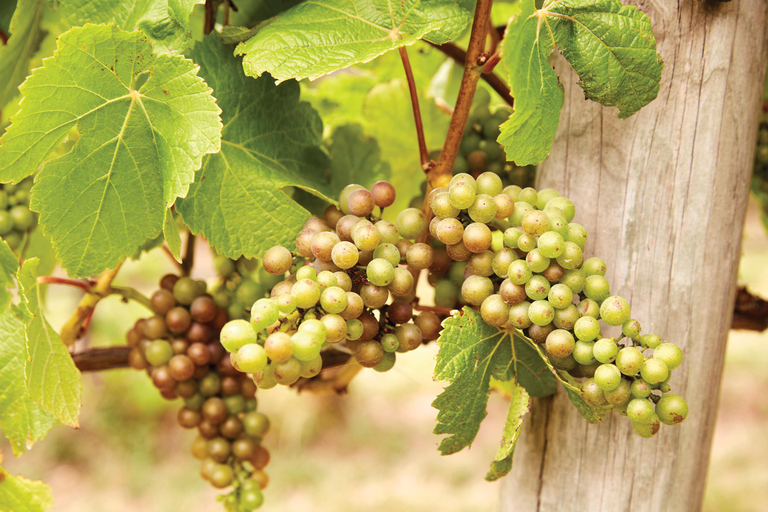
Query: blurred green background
{"points": [[372, 449]]}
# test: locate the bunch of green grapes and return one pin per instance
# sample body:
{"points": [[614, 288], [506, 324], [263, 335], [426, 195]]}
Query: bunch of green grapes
{"points": [[535, 279], [180, 350], [16, 219], [349, 283]]}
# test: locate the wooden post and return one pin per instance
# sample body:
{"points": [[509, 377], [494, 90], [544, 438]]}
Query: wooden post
{"points": [[663, 195]]}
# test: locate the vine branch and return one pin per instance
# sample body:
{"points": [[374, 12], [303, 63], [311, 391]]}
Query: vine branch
{"points": [[97, 359], [76, 325], [189, 254], [77, 283], [423, 151], [441, 173]]}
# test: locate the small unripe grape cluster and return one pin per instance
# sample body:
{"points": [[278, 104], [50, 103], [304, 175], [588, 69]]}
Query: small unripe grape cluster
{"points": [[180, 350], [531, 275], [242, 283], [16, 219], [350, 282]]}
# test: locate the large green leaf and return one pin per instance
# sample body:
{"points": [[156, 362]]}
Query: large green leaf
{"points": [[317, 37], [139, 148], [355, 158], [470, 352], [21, 419], [519, 406], [53, 380], [612, 48], [17, 494], [8, 267], [22, 43], [270, 140]]}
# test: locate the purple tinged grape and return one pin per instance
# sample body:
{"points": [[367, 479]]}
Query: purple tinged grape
{"points": [[450, 231]]}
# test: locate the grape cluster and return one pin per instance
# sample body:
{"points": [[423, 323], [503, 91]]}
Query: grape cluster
{"points": [[180, 350], [533, 277], [242, 283], [346, 284], [16, 219]]}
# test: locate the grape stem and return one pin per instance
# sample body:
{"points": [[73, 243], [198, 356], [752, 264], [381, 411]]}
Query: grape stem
{"points": [[77, 283], [189, 254], [440, 174], [492, 61], [423, 151], [97, 359], [492, 79], [74, 329]]}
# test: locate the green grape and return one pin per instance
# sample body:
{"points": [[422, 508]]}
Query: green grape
{"points": [[326, 279], [374, 296], [477, 237], [512, 293], [572, 256], [476, 289], [504, 206], [566, 318], [621, 395], [333, 300], [402, 283], [158, 353], [278, 346], [23, 219], [640, 389], [354, 329], [494, 310], [606, 350], [529, 195], [629, 360], [264, 313], [583, 352], [511, 236], [389, 252], [287, 372], [483, 209], [672, 409], [461, 196], [380, 272], [419, 256], [265, 379], [409, 336], [442, 206], [501, 261], [544, 196], [235, 334], [518, 315], [537, 261], [594, 267], [631, 329], [535, 223], [526, 242], [247, 293], [210, 384], [654, 371], [411, 223], [614, 310], [551, 244], [670, 354], [588, 307], [557, 223], [450, 231], [647, 429], [649, 340], [541, 312], [251, 499], [537, 288], [335, 328], [560, 296], [640, 410], [564, 204], [306, 293], [251, 358], [559, 343], [389, 342], [597, 288], [13, 239], [366, 237], [312, 367], [388, 232], [314, 327], [574, 279], [277, 260], [592, 392], [607, 376], [6, 222], [519, 211], [285, 303], [185, 291], [481, 264], [463, 178], [387, 362], [345, 255], [577, 234], [489, 183], [587, 328]]}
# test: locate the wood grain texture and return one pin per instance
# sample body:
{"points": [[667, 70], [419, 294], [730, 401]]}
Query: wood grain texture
{"points": [[669, 188]]}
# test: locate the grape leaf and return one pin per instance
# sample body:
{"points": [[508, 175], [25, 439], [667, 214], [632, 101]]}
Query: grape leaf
{"points": [[21, 419], [318, 37], [165, 22], [25, 36], [519, 406], [53, 380], [17, 494], [139, 146], [270, 140], [355, 158], [8, 267], [470, 352], [171, 234], [609, 45]]}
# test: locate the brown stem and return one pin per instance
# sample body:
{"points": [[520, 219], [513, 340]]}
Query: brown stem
{"points": [[423, 151], [493, 60], [189, 254], [494, 36], [750, 312], [74, 328], [97, 359], [434, 309], [210, 16], [83, 285], [492, 79], [225, 16], [440, 174]]}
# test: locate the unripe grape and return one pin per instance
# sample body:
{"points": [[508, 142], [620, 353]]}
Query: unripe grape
{"points": [[501, 261], [305, 345], [614, 310], [287, 372], [481, 264], [380, 272], [577, 234], [388, 360], [519, 272], [537, 288], [366, 236], [594, 267], [597, 288], [463, 178], [565, 364], [560, 296], [583, 352], [411, 223], [518, 315], [333, 300], [519, 211], [607, 376], [251, 358], [592, 392], [235, 334], [564, 204], [566, 318], [629, 360], [326, 279], [419, 256], [650, 340], [402, 283], [306, 272], [388, 232], [512, 191], [277, 260], [631, 329], [588, 307], [483, 209], [672, 409], [442, 206], [388, 252], [640, 410], [551, 244], [526, 242], [306, 293], [477, 237], [511, 236], [489, 183], [559, 343], [586, 328], [494, 310], [571, 257], [529, 195], [535, 223], [574, 279], [389, 342], [278, 346], [537, 261], [159, 352], [476, 289], [621, 395], [264, 313], [641, 389], [541, 312], [654, 371], [605, 350], [360, 203], [649, 428], [670, 354], [504, 206]]}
